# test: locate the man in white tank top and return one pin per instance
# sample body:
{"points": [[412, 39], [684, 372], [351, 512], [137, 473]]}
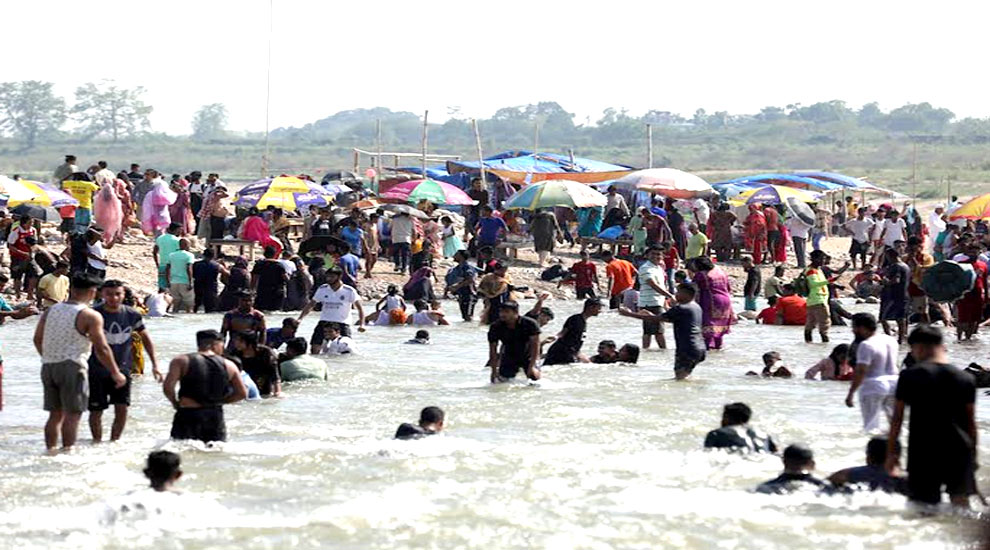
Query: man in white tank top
{"points": [[64, 337]]}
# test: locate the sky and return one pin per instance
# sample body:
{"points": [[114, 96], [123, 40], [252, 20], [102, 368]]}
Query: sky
{"points": [[477, 56]]}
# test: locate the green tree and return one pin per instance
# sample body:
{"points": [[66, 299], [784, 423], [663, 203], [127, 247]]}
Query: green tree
{"points": [[29, 110], [919, 117], [210, 122], [106, 109], [871, 116], [771, 114]]}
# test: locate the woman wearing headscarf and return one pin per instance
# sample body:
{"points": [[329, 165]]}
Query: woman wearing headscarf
{"points": [[181, 209], [715, 299], [155, 216], [720, 225], [255, 228], [122, 186], [238, 279], [756, 233], [545, 232]]}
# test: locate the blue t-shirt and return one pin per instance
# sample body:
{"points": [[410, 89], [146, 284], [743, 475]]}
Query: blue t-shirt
{"points": [[488, 229], [353, 236], [252, 388], [350, 264]]}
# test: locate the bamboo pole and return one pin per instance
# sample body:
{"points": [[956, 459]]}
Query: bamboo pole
{"points": [[536, 139], [570, 154], [481, 157], [378, 161], [649, 146], [426, 118]]}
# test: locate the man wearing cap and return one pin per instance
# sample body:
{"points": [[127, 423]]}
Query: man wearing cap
{"points": [[799, 462], [337, 300], [567, 347]]}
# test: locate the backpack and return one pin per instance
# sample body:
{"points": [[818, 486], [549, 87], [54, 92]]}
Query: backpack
{"points": [[800, 284]]}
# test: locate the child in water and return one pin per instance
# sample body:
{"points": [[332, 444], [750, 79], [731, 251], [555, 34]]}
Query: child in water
{"points": [[770, 359], [422, 338], [392, 301], [163, 470]]}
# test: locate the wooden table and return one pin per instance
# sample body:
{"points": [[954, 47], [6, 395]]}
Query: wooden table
{"points": [[218, 244], [613, 244]]}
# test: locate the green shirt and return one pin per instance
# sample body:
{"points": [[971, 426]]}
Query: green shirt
{"points": [[303, 367], [167, 244], [179, 262], [696, 245], [817, 287]]}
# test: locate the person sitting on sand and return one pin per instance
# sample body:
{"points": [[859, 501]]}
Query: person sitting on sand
{"points": [[422, 338], [834, 367], [430, 423], [872, 476], [799, 462], [607, 352], [770, 359], [768, 316], [735, 433]]}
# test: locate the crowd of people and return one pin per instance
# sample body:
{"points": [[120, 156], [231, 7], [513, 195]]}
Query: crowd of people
{"points": [[677, 271]]}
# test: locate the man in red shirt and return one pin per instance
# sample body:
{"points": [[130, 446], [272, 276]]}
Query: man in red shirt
{"points": [[773, 227], [769, 315], [791, 308], [585, 277], [671, 258], [620, 275], [21, 266]]}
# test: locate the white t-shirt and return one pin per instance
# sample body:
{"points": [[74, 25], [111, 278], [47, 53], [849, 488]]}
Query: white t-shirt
{"points": [[157, 305], [877, 229], [96, 249], [341, 346], [337, 304], [879, 354], [797, 227], [894, 231], [402, 229], [288, 266], [860, 229]]}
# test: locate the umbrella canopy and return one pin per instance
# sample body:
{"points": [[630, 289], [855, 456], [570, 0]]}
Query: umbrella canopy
{"points": [[974, 209], [34, 192], [285, 192], [43, 213], [801, 210], [365, 204], [319, 244], [668, 182], [789, 180], [434, 191], [552, 193], [406, 209], [774, 194]]}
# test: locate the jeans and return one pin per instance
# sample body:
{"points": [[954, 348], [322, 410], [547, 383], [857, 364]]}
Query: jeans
{"points": [[816, 240], [799, 244], [402, 252]]}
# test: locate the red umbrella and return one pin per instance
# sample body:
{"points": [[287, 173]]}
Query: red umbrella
{"points": [[436, 192]]}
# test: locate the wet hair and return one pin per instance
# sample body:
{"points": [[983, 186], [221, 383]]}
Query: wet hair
{"points": [[421, 305], [592, 302], [392, 290], [509, 305], [769, 357], [703, 263], [422, 335], [206, 338], [297, 345], [797, 456], [546, 311], [161, 467], [925, 335], [85, 281], [687, 288], [112, 283], [609, 343], [290, 322], [737, 413], [876, 451], [839, 353], [269, 252], [772, 300], [632, 350], [249, 338], [431, 415], [864, 320]]}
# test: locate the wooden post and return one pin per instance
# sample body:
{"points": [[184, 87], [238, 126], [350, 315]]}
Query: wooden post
{"points": [[378, 163], [536, 139], [357, 162], [481, 157], [426, 118], [649, 146], [570, 154]]}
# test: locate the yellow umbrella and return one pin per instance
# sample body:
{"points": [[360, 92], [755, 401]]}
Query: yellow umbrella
{"points": [[773, 194], [34, 192], [974, 209]]}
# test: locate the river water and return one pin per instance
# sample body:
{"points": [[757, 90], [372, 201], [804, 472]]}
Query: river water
{"points": [[595, 456]]}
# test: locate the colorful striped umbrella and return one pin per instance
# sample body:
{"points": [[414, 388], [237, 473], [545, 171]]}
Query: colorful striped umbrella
{"points": [[285, 192], [34, 192], [437, 192], [550, 193], [774, 194], [668, 182], [974, 209]]}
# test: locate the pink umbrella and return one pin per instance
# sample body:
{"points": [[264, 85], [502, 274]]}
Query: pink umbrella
{"points": [[434, 191]]}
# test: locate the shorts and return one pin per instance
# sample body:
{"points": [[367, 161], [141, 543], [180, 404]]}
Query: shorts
{"points": [[750, 303], [583, 293], [66, 386], [182, 296], [508, 371], [858, 248], [818, 315], [162, 280], [893, 309], [925, 480], [684, 362], [653, 327], [102, 392], [919, 305], [317, 338], [205, 424]]}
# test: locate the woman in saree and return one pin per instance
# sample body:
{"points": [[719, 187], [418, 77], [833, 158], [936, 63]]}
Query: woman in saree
{"points": [[715, 299], [181, 209], [155, 217], [756, 233], [779, 254], [720, 226], [123, 189], [255, 228]]}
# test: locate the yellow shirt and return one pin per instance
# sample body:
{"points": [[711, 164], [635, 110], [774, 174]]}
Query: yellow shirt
{"points": [[82, 191], [54, 289]]}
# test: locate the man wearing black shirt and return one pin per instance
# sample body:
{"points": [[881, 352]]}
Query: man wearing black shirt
{"points": [[942, 439], [268, 281], [736, 434], [430, 423], [567, 347], [260, 362], [520, 339], [799, 462]]}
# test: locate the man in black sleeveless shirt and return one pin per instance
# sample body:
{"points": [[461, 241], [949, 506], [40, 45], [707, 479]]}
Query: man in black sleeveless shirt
{"points": [[206, 382]]}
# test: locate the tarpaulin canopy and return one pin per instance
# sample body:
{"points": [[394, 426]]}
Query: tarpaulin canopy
{"points": [[838, 179], [788, 180], [525, 167]]}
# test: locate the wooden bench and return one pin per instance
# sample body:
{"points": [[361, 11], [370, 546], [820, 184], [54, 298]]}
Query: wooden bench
{"points": [[513, 246], [218, 244], [613, 244]]}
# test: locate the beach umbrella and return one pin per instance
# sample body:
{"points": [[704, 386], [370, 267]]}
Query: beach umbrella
{"points": [[43, 213], [801, 210], [365, 204], [437, 192], [34, 192], [668, 182], [285, 192], [406, 209], [336, 188], [550, 193], [974, 209], [774, 194], [319, 243]]}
